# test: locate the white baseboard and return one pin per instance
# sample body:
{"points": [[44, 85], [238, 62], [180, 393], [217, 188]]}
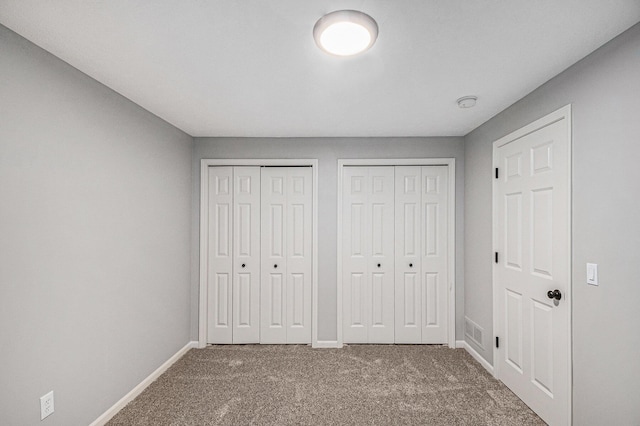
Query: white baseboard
{"points": [[475, 355], [107, 415], [325, 344]]}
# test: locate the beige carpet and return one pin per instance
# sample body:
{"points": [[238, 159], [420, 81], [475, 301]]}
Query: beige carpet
{"points": [[359, 384]]}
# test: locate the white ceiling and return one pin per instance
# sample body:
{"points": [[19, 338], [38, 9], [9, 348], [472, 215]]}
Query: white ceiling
{"points": [[251, 67]]}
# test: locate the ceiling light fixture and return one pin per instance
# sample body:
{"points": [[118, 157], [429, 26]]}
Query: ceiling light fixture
{"points": [[467, 101], [345, 32]]}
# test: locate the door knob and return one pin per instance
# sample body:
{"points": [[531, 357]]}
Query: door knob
{"points": [[555, 294], [378, 265], [243, 265], [275, 265], [411, 265]]}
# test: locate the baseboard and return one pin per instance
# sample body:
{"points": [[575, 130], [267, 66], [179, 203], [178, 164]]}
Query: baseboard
{"points": [[107, 415], [475, 355], [325, 344]]}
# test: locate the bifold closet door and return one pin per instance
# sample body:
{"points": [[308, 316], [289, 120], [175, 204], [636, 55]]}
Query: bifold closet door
{"points": [[368, 259], [421, 281], [408, 253], [234, 255], [246, 255], [435, 243], [220, 261], [286, 254]]}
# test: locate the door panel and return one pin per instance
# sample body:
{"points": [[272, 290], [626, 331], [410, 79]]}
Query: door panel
{"points": [[432, 300], [513, 350], [380, 225], [434, 256], [298, 254], [276, 307], [408, 282], [246, 250], [368, 255], [532, 230], [220, 262], [287, 259], [273, 264], [356, 258], [242, 305]]}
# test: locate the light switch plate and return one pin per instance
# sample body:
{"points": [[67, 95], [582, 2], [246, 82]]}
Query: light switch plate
{"points": [[592, 273]]}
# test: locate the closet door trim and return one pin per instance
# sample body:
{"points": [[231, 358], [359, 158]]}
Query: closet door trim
{"points": [[451, 237], [205, 164]]}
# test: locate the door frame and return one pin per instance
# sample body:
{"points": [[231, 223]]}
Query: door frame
{"points": [[205, 163], [451, 223], [563, 113]]}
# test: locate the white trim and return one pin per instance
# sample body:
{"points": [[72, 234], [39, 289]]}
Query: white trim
{"points": [[314, 261], [113, 410], [460, 344], [483, 362], [451, 164], [563, 113], [319, 344], [204, 249]]}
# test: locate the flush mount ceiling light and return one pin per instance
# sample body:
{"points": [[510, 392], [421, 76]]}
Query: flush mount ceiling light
{"points": [[345, 32], [467, 101]]}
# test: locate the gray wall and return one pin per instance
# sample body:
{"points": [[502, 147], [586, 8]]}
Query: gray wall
{"points": [[94, 248], [603, 90], [328, 151]]}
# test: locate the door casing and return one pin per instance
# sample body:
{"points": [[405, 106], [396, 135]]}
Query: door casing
{"points": [[204, 249], [563, 113], [451, 264]]}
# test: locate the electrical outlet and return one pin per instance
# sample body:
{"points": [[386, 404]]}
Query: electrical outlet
{"points": [[46, 405]]}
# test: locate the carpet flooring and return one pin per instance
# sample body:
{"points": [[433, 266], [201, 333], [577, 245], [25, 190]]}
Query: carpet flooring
{"points": [[358, 384]]}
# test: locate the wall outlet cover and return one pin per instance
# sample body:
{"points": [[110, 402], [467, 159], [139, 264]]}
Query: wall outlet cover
{"points": [[46, 405]]}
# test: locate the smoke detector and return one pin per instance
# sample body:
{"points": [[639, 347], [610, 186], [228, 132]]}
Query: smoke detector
{"points": [[467, 101]]}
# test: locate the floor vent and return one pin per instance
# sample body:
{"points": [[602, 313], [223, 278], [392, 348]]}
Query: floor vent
{"points": [[473, 332]]}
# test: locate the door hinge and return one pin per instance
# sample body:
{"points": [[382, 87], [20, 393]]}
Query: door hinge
{"points": [[496, 253], [497, 342], [497, 174]]}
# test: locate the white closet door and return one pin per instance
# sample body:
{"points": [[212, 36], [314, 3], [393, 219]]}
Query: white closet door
{"points": [[286, 254], [298, 254], [435, 277], [246, 252], [368, 255], [380, 223], [355, 255], [273, 248], [220, 262], [408, 255]]}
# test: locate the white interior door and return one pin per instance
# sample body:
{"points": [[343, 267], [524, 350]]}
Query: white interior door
{"points": [[368, 255], [246, 254], [421, 284], [532, 213], [220, 260], [286, 254]]}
